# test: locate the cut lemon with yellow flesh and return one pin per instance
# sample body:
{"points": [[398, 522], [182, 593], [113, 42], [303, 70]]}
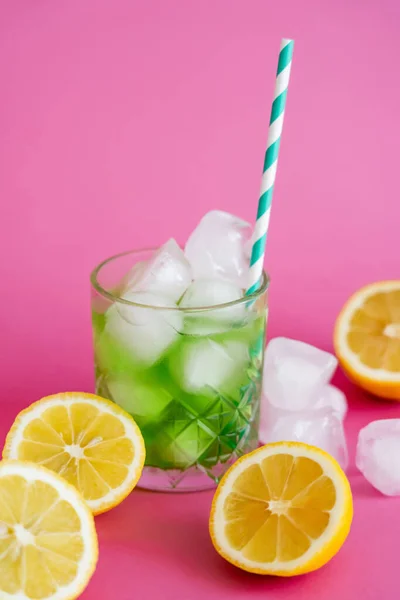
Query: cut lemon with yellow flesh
{"points": [[284, 509], [367, 338], [90, 441], [48, 542]]}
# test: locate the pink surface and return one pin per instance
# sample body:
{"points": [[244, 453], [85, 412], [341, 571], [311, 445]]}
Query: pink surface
{"points": [[115, 113]]}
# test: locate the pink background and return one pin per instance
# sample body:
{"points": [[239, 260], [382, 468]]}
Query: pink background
{"points": [[121, 123]]}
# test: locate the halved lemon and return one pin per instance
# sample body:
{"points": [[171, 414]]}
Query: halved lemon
{"points": [[367, 338], [90, 441], [48, 542], [284, 509]]}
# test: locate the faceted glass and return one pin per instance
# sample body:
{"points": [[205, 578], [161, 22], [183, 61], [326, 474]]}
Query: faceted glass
{"points": [[190, 377]]}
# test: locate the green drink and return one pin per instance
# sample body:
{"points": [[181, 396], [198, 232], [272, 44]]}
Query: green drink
{"points": [[190, 377]]}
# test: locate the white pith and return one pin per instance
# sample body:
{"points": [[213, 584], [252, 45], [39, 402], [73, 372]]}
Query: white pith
{"points": [[355, 303], [31, 473], [330, 469], [75, 450]]}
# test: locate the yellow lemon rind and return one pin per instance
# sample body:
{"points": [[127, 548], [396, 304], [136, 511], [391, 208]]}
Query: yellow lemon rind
{"points": [[375, 381], [74, 498], [319, 553], [116, 496]]}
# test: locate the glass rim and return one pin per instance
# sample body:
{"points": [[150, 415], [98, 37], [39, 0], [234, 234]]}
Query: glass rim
{"points": [[116, 298]]}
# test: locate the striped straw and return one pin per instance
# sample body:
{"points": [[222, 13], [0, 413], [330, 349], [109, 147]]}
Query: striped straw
{"points": [[270, 165]]}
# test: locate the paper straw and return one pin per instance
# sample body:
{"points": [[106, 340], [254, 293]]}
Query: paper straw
{"points": [[270, 164]]}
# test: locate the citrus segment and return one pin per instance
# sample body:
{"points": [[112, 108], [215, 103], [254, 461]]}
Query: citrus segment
{"points": [[90, 441], [293, 542], [302, 474], [320, 495], [252, 483], [275, 470], [283, 509], [261, 547], [310, 520], [48, 544]]}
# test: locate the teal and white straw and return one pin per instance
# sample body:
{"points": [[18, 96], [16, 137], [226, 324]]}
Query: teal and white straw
{"points": [[270, 165]]}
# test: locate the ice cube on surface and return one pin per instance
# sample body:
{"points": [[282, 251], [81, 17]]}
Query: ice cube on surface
{"points": [[206, 365], [318, 427], [168, 272], [378, 455], [144, 333], [207, 292], [330, 396], [295, 373], [216, 248]]}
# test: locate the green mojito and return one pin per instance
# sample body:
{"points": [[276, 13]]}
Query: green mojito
{"points": [[183, 356]]}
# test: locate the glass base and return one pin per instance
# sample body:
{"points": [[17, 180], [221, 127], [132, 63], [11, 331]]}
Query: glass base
{"points": [[174, 480]]}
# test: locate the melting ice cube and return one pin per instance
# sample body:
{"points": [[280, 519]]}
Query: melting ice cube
{"points": [[207, 365], [168, 272], [319, 427], [217, 248], [378, 455], [298, 404], [145, 400], [205, 293], [330, 396], [295, 373], [144, 333]]}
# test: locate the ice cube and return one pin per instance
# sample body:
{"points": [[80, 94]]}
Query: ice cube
{"points": [[144, 400], [143, 332], [168, 272], [334, 398], [319, 427], [128, 280], [216, 248], [207, 292], [378, 455], [295, 373], [205, 365]]}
